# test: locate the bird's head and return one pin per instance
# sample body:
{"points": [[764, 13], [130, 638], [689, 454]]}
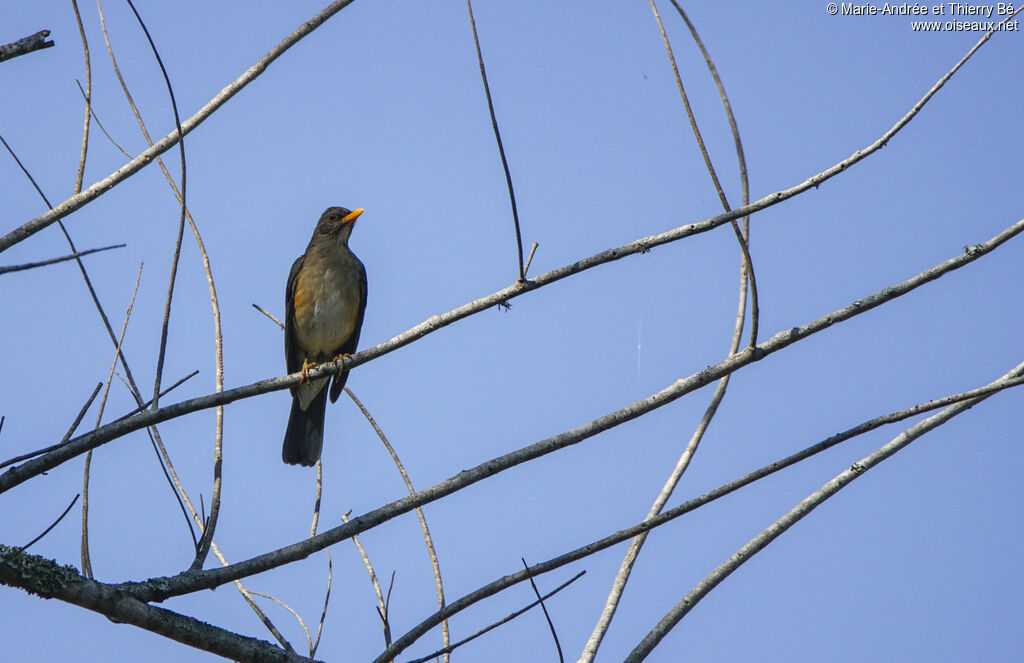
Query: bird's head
{"points": [[338, 221]]}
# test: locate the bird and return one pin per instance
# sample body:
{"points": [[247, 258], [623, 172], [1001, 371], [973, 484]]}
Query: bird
{"points": [[325, 300]]}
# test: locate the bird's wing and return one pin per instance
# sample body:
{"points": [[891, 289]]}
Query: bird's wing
{"points": [[353, 341], [292, 355], [349, 346]]}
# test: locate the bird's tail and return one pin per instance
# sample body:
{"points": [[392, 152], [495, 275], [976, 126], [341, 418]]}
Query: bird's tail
{"points": [[304, 437]]}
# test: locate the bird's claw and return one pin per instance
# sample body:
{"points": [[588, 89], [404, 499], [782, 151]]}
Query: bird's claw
{"points": [[305, 370]]}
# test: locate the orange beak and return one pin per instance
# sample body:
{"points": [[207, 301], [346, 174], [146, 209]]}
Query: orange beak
{"points": [[352, 216]]}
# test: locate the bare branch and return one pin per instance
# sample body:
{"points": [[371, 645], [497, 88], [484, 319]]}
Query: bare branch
{"points": [[31, 179], [18, 551], [52, 261], [78, 420], [529, 260], [100, 124], [382, 606], [162, 393], [46, 578], [247, 596], [434, 564], [741, 162], [81, 413], [88, 98], [25, 45], [86, 562], [181, 223], [744, 248], [323, 613], [287, 607], [539, 601], [497, 138], [269, 315]]}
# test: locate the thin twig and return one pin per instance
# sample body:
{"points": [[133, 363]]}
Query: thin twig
{"points": [[744, 237], [17, 551], [540, 601], [382, 606], [497, 138], [181, 223], [551, 625], [31, 179], [323, 612], [744, 248], [67, 436], [316, 501], [387, 598], [269, 315], [52, 261], [287, 607], [25, 45], [88, 99], [100, 125], [313, 646], [84, 541], [86, 562], [529, 260], [247, 597], [81, 413], [163, 393], [431, 552]]}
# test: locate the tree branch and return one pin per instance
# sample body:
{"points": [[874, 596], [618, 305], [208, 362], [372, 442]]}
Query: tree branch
{"points": [[497, 138], [25, 45], [45, 578], [52, 261]]}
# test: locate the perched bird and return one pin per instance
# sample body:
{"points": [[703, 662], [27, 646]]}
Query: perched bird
{"points": [[324, 304]]}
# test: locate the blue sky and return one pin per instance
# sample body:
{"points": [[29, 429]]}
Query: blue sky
{"points": [[383, 108]]}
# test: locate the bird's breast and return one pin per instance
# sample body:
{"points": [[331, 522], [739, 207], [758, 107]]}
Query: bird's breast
{"points": [[326, 307]]}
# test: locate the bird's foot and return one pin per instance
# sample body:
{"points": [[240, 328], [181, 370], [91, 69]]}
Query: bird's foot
{"points": [[341, 357], [305, 370]]}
